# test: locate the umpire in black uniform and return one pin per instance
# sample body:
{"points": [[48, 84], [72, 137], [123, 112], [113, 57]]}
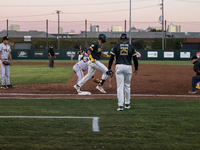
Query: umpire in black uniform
{"points": [[196, 78], [51, 57]]}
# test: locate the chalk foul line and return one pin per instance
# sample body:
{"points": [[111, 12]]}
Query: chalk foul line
{"points": [[95, 120], [132, 95]]}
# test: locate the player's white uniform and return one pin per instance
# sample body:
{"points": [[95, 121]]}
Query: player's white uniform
{"points": [[92, 68], [123, 77], [80, 67], [96, 52], [5, 72], [80, 56]]}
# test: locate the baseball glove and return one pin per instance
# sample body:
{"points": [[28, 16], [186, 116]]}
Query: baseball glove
{"points": [[96, 80], [6, 62], [110, 73]]}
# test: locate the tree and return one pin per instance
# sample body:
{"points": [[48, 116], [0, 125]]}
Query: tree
{"points": [[139, 44]]}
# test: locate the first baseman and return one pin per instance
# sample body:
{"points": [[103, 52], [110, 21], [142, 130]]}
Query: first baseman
{"points": [[4, 64], [80, 67], [123, 69], [196, 78], [95, 53]]}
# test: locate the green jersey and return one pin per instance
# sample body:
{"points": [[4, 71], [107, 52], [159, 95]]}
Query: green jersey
{"points": [[123, 53], [96, 50]]}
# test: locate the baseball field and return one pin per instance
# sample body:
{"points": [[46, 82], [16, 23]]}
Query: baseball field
{"points": [[43, 112]]}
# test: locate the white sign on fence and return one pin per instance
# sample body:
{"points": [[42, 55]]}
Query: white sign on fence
{"points": [[168, 54], [184, 54], [152, 54]]}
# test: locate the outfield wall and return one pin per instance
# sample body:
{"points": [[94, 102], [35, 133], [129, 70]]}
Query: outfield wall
{"points": [[65, 54]]}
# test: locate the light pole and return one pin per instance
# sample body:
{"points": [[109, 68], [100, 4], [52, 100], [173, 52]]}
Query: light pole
{"points": [[58, 12], [163, 41], [130, 25]]}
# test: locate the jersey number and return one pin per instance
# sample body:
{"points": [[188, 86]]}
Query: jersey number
{"points": [[124, 51]]}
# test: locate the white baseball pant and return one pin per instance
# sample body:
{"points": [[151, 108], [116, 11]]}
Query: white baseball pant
{"points": [[79, 57], [123, 77], [91, 70], [5, 73], [78, 72]]}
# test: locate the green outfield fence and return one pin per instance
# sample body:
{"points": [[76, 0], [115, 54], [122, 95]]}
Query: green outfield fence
{"points": [[65, 54]]}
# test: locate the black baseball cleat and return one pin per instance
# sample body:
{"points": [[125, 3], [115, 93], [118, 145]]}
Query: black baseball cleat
{"points": [[10, 86], [4, 87]]}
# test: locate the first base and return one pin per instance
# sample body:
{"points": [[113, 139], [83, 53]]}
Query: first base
{"points": [[84, 93]]}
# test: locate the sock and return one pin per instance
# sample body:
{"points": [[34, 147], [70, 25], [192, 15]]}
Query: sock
{"points": [[102, 82]]}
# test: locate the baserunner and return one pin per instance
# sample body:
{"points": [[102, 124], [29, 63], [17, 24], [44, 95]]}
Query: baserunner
{"points": [[95, 53]]}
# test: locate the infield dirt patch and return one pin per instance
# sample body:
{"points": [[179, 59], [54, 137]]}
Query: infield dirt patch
{"points": [[151, 79]]}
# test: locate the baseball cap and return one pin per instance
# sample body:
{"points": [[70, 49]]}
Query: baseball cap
{"points": [[193, 57], [5, 38], [51, 45]]}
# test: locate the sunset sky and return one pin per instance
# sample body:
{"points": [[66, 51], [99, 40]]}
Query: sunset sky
{"points": [[31, 15]]}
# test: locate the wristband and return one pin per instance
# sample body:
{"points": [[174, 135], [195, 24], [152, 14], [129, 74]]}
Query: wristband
{"points": [[108, 56], [90, 56]]}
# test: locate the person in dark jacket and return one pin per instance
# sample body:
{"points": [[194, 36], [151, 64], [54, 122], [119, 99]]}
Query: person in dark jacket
{"points": [[196, 78], [51, 57]]}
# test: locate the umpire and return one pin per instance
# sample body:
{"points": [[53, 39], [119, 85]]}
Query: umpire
{"points": [[51, 57], [196, 78], [123, 52]]}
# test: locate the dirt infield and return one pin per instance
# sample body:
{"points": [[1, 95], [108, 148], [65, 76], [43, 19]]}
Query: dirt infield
{"points": [[151, 79]]}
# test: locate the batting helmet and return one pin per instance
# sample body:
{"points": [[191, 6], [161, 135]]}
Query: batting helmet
{"points": [[123, 36], [102, 37]]}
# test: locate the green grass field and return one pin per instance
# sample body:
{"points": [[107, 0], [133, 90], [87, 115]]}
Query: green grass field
{"points": [[106, 61], [150, 124], [39, 74]]}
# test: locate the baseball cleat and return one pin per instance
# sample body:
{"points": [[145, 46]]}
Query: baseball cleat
{"points": [[198, 87], [127, 106], [100, 88], [10, 86], [4, 87], [78, 89], [120, 108], [192, 92]]}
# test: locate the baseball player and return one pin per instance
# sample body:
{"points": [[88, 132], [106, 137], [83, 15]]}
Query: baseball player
{"points": [[95, 53], [123, 52], [196, 78], [80, 67], [80, 53], [4, 64]]}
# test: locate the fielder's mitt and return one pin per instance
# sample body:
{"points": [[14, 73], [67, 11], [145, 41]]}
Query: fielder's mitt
{"points": [[110, 73], [96, 80], [6, 62]]}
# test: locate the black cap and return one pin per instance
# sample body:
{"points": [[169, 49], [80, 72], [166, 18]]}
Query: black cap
{"points": [[193, 57], [123, 36], [51, 45], [5, 38]]}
